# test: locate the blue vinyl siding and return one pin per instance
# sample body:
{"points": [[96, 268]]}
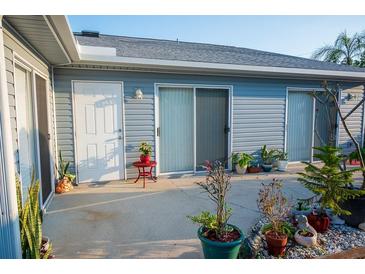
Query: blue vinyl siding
{"points": [[258, 108]]}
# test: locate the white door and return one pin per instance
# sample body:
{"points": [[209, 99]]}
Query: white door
{"points": [[25, 127], [99, 131]]}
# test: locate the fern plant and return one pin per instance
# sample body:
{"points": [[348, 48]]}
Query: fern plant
{"points": [[329, 181], [30, 221]]}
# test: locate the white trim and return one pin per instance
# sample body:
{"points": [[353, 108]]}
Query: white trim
{"points": [[194, 129], [229, 89], [363, 120], [313, 125], [33, 71], [74, 123], [189, 65]]}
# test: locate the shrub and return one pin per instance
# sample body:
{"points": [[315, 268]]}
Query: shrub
{"points": [[329, 181]]}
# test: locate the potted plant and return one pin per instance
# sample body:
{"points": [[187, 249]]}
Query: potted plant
{"points": [[329, 182], [234, 160], [219, 239], [267, 158], [33, 244], [146, 151], [282, 160], [305, 235], [354, 158], [65, 178], [302, 208], [253, 167], [275, 207], [242, 162]]}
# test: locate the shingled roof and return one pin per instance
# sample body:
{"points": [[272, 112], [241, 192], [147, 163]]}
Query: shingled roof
{"points": [[201, 52]]}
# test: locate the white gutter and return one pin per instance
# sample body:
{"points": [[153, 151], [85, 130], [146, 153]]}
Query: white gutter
{"points": [[7, 146], [214, 67]]}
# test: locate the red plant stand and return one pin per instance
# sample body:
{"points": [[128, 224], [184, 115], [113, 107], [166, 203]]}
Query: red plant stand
{"points": [[142, 172]]}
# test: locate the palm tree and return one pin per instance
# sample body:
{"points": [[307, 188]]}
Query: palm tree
{"points": [[345, 50]]}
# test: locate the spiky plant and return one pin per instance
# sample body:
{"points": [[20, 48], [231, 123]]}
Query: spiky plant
{"points": [[30, 221], [63, 169], [329, 181]]}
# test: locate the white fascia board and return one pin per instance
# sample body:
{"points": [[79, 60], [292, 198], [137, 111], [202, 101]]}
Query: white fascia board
{"points": [[216, 67], [92, 50], [64, 34]]}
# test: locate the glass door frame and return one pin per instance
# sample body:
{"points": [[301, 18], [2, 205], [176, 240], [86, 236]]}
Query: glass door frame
{"points": [[157, 86]]}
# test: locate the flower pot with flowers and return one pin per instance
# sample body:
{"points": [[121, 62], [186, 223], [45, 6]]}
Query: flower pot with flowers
{"points": [[275, 207], [146, 151], [219, 239], [268, 156]]}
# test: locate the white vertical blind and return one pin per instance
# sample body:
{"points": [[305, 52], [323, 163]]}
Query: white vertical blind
{"points": [[300, 126], [176, 129]]}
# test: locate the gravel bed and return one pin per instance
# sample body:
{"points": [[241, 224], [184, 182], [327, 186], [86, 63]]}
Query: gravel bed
{"points": [[338, 238]]}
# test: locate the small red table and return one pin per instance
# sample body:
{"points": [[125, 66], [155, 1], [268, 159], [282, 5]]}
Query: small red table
{"points": [[143, 173]]}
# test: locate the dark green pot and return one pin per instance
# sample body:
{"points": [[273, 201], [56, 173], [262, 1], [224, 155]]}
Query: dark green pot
{"points": [[220, 250], [267, 168]]}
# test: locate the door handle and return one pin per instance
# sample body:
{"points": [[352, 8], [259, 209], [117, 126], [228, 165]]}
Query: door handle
{"points": [[226, 129], [158, 132]]}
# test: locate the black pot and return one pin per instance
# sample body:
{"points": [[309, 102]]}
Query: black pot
{"points": [[357, 208]]}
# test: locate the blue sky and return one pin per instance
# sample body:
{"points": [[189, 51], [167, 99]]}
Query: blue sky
{"points": [[294, 35]]}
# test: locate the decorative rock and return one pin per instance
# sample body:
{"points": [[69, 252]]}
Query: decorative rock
{"points": [[335, 220], [362, 226], [303, 225]]}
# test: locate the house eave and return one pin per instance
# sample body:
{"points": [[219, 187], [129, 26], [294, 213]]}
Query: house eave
{"points": [[187, 66]]}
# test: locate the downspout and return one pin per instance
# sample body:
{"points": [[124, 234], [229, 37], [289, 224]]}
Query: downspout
{"points": [[7, 153]]}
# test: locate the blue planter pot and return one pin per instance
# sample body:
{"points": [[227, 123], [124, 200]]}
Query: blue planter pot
{"points": [[267, 168], [220, 250]]}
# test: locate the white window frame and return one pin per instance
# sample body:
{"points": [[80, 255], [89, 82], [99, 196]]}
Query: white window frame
{"points": [[20, 61], [157, 86]]}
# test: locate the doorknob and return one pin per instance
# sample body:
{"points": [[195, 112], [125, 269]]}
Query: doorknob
{"points": [[226, 129]]}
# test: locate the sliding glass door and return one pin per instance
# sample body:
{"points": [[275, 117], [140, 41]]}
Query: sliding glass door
{"points": [[193, 127]]}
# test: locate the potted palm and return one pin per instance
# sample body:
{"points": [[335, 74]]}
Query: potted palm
{"points": [[146, 151], [329, 182], [243, 160], [267, 158], [219, 239], [282, 160], [275, 207]]}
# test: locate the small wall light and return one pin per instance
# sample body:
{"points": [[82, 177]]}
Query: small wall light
{"points": [[138, 94]]}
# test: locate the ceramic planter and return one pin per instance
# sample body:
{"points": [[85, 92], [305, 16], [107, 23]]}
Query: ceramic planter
{"points": [[306, 241], [253, 169], [276, 244], [220, 250], [241, 170], [357, 208], [282, 165], [267, 168], [319, 222], [144, 158]]}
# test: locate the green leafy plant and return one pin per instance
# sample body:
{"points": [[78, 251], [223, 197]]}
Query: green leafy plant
{"points": [[234, 158], [329, 181], [62, 170], [30, 222], [275, 207], [145, 148], [268, 156], [354, 156], [254, 163], [244, 159], [217, 184], [284, 228], [280, 155]]}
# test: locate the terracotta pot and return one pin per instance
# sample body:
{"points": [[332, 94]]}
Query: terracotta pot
{"points": [[144, 158], [354, 162], [319, 222], [252, 169], [276, 243]]}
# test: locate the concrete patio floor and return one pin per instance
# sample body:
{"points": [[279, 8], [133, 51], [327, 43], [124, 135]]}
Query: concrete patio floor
{"points": [[123, 220]]}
